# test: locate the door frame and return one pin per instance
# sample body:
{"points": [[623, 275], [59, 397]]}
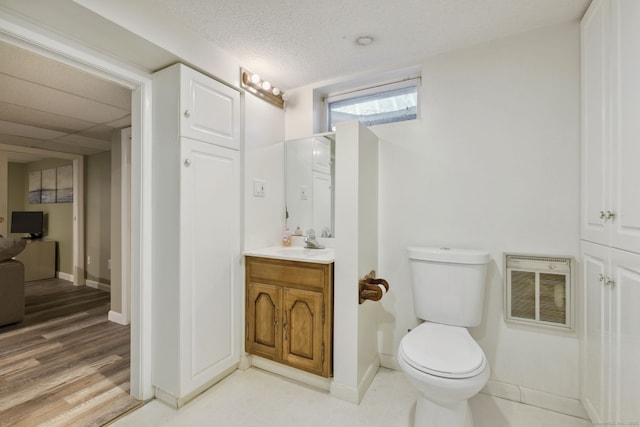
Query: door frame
{"points": [[20, 33]]}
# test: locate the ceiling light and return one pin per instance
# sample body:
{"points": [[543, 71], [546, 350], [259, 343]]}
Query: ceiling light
{"points": [[364, 40]]}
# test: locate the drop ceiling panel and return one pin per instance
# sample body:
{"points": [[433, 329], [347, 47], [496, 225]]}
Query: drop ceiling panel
{"points": [[19, 140], [21, 92], [120, 123], [10, 128], [15, 157], [100, 132], [67, 148], [28, 66], [44, 119], [83, 141]]}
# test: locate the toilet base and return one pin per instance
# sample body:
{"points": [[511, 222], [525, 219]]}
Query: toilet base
{"points": [[432, 414]]}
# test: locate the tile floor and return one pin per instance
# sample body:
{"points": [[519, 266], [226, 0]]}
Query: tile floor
{"points": [[258, 398]]}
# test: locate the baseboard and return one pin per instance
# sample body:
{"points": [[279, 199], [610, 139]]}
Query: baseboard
{"points": [[245, 362], [118, 318], [178, 402], [389, 361], [528, 396], [64, 276], [355, 394], [368, 377], [98, 285], [541, 399], [315, 381]]}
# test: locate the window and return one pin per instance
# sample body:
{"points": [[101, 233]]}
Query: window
{"points": [[394, 102]]}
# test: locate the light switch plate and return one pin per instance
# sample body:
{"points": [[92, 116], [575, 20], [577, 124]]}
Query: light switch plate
{"points": [[258, 187]]}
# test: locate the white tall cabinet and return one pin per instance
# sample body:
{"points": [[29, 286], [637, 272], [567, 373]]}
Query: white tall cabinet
{"points": [[197, 300], [610, 219]]}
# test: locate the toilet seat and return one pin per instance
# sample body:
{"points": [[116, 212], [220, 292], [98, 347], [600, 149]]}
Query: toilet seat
{"points": [[443, 351]]}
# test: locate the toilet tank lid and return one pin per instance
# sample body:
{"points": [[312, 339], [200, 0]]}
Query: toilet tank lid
{"points": [[453, 255]]}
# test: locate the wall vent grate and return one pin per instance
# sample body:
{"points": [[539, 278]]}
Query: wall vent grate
{"points": [[539, 291]]}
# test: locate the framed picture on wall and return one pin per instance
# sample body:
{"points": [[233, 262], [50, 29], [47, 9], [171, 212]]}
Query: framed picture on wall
{"points": [[64, 184], [48, 186], [35, 187]]}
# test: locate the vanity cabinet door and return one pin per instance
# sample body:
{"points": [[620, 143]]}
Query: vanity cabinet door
{"points": [[303, 320], [264, 333], [289, 313]]}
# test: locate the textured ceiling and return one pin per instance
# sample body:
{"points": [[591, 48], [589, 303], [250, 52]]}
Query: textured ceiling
{"points": [[297, 42], [46, 104]]}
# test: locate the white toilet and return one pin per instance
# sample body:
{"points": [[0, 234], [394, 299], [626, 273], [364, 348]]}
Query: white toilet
{"points": [[439, 356]]}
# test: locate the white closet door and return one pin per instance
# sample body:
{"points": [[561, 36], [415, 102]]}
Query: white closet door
{"points": [[625, 334], [625, 104], [210, 221], [595, 119], [595, 381]]}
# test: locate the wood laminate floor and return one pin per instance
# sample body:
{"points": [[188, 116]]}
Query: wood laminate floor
{"points": [[65, 364]]}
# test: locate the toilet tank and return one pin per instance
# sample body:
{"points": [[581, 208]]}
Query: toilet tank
{"points": [[448, 284]]}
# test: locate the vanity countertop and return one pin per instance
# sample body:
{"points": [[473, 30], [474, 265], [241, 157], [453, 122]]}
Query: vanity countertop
{"points": [[294, 253]]}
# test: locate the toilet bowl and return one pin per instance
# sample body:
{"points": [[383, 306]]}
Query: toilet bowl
{"points": [[447, 367], [439, 356]]}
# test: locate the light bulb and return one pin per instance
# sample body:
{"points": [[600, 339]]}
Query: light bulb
{"points": [[266, 85], [255, 78], [276, 91]]}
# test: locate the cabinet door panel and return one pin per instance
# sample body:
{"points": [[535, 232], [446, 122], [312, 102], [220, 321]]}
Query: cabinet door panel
{"points": [[595, 119], [211, 110], [263, 320], [625, 270], [209, 241], [625, 155], [302, 329], [595, 340]]}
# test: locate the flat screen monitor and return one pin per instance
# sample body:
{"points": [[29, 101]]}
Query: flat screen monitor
{"points": [[27, 222]]}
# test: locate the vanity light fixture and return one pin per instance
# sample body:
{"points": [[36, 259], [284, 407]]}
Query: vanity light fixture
{"points": [[261, 88]]}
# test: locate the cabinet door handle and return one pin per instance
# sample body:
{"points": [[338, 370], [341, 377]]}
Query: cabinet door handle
{"points": [[609, 215], [187, 113], [609, 282], [601, 277], [603, 215], [187, 162]]}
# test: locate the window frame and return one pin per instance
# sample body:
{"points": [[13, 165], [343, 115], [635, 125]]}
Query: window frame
{"points": [[372, 90]]}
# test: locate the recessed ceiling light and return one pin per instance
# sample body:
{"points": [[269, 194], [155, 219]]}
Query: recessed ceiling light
{"points": [[364, 40]]}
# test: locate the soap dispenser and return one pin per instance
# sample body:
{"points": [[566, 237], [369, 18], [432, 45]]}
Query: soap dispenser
{"points": [[286, 236]]}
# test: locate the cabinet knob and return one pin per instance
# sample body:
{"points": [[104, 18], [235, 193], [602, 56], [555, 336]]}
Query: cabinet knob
{"points": [[187, 162], [609, 215], [602, 215], [187, 113], [601, 277], [609, 282]]}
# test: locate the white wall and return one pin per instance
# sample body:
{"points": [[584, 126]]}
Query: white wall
{"points": [[264, 159], [355, 360], [493, 163]]}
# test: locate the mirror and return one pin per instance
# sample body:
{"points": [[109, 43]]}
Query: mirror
{"points": [[309, 176]]}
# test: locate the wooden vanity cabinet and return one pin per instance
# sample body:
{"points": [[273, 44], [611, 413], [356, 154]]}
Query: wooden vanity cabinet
{"points": [[289, 313]]}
